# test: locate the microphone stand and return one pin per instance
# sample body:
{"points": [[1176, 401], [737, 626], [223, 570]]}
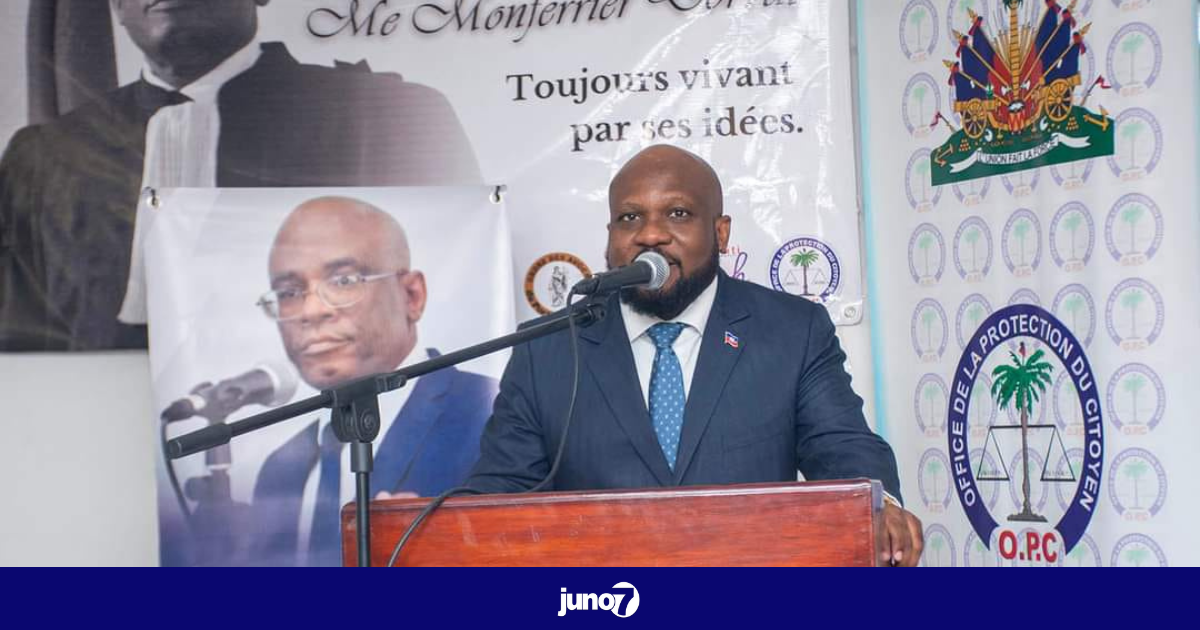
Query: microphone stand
{"points": [[355, 406], [210, 522], [215, 507]]}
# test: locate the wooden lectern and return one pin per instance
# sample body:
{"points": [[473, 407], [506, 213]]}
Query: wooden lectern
{"points": [[790, 524]]}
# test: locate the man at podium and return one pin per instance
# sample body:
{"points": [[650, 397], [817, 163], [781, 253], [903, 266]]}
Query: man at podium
{"points": [[708, 380]]}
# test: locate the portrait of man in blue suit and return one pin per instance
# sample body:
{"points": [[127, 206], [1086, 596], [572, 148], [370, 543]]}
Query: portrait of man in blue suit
{"points": [[707, 380], [347, 301]]}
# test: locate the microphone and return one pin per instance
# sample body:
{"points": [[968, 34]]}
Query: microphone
{"points": [[270, 383], [649, 268]]}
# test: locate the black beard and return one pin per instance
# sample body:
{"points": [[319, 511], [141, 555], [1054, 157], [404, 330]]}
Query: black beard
{"points": [[667, 305]]}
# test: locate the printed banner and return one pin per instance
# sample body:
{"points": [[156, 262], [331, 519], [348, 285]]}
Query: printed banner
{"points": [[531, 96], [1032, 169], [261, 297]]}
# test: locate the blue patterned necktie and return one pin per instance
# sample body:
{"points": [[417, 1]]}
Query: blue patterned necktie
{"points": [[666, 396], [325, 545]]}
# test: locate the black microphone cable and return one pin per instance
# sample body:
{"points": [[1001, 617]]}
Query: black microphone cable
{"points": [[174, 479], [562, 445]]}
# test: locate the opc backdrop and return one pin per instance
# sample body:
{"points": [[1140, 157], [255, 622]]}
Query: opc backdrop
{"points": [[550, 98], [1038, 314]]}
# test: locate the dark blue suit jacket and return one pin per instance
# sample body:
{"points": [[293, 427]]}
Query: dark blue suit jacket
{"points": [[428, 449], [779, 402]]}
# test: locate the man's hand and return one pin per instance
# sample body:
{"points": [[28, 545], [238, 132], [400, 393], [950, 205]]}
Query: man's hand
{"points": [[903, 539]]}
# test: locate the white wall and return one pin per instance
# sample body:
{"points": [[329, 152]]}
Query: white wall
{"points": [[82, 422], [77, 470]]}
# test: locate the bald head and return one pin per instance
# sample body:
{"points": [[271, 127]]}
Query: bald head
{"points": [[345, 219], [360, 301], [688, 168]]}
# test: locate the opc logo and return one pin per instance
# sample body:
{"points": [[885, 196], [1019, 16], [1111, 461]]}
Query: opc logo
{"points": [[623, 601]]}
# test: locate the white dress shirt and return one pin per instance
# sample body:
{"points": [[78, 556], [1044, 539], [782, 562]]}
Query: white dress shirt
{"points": [[181, 152], [686, 346]]}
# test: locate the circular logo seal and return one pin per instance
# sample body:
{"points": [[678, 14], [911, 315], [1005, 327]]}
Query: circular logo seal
{"points": [[972, 193], [1066, 465], [1025, 296], [918, 30], [1137, 550], [978, 554], [1137, 484], [806, 267], [1134, 314], [1133, 230], [1136, 399], [929, 405], [922, 196], [921, 98], [1072, 237], [1134, 59], [1085, 554], [1021, 245], [981, 419], [1072, 175], [926, 255], [939, 548], [1021, 379], [1066, 413], [958, 15], [550, 278], [970, 314], [1139, 144], [929, 330], [1087, 65], [986, 468], [1021, 183], [1073, 304], [933, 481], [973, 249]]}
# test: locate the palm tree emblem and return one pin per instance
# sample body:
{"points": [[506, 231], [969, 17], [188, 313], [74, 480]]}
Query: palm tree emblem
{"points": [[1021, 230], [928, 317], [1133, 385], [804, 259], [1137, 555], [1130, 46], [1132, 300], [1072, 223], [934, 469], [917, 19], [1132, 215], [924, 243], [1135, 470], [931, 392], [972, 237], [919, 92], [936, 544], [1130, 131], [1074, 304], [921, 169], [1022, 384]]}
